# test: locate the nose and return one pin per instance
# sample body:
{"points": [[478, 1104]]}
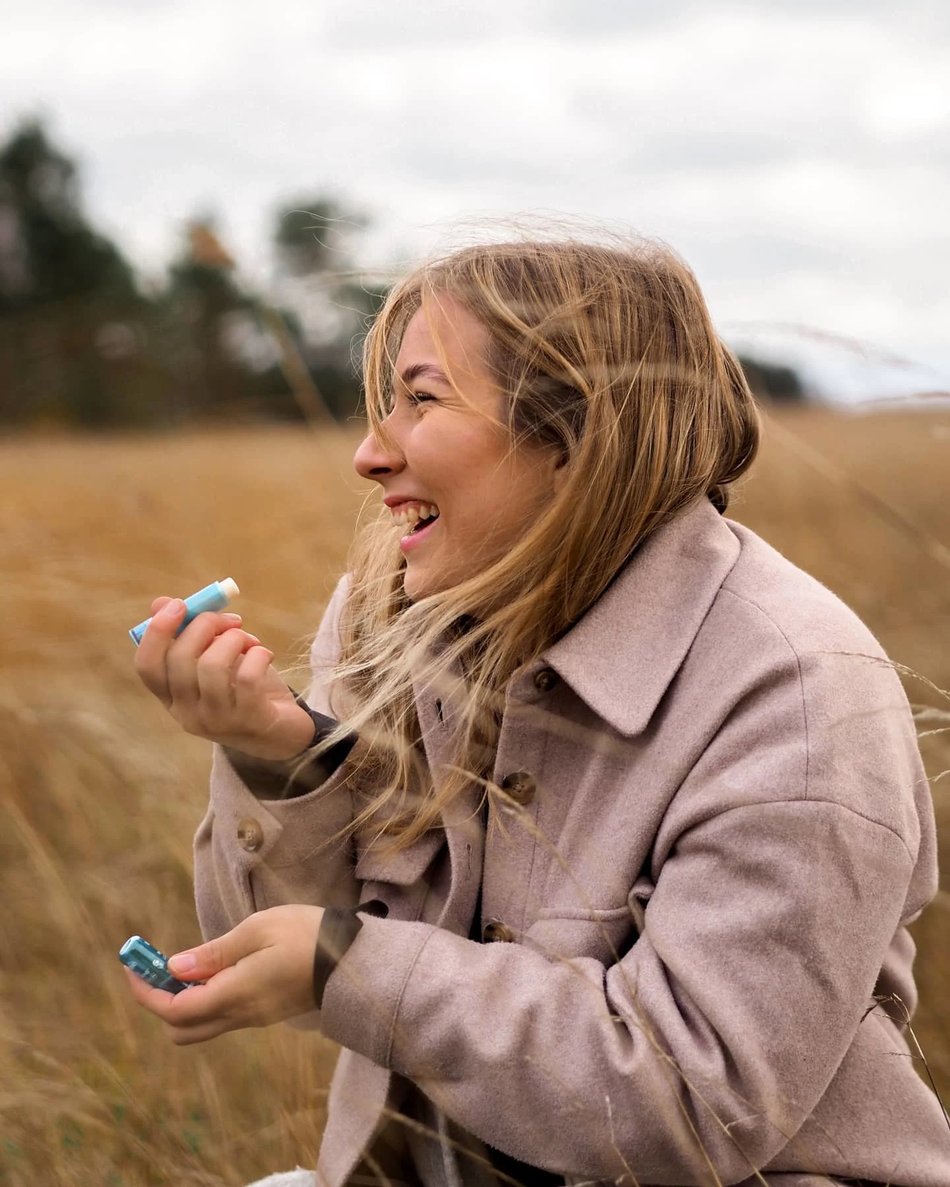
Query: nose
{"points": [[377, 458]]}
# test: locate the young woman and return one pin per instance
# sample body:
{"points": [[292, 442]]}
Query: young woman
{"points": [[596, 838]]}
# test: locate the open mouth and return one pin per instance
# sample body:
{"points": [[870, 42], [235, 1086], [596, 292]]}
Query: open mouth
{"points": [[415, 517], [421, 524]]}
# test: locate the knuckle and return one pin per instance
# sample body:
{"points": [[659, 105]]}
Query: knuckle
{"points": [[243, 642], [207, 661], [259, 923], [190, 724], [142, 666], [213, 954], [246, 677]]}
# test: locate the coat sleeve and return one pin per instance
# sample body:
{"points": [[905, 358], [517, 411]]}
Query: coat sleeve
{"points": [[252, 853], [713, 1039]]}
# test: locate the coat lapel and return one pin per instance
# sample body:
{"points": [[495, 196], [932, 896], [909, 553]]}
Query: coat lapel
{"points": [[663, 594]]}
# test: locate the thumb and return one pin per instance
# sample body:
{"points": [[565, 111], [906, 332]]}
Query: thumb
{"points": [[202, 962]]}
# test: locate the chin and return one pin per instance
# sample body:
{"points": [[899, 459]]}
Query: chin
{"points": [[413, 588], [416, 586]]}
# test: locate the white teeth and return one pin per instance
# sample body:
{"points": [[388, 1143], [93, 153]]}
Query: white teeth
{"points": [[408, 514]]}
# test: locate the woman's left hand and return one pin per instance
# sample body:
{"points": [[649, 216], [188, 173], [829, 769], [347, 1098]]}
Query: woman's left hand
{"points": [[258, 973]]}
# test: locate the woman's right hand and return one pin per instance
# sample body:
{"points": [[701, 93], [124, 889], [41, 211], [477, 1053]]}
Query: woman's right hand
{"points": [[217, 682]]}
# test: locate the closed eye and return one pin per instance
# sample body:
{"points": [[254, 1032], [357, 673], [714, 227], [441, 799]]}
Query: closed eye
{"points": [[415, 398]]}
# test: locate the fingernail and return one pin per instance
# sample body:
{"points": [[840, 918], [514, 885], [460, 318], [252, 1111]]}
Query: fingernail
{"points": [[183, 962], [173, 608], [229, 617]]}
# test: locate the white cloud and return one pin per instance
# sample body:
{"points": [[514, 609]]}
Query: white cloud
{"points": [[796, 153]]}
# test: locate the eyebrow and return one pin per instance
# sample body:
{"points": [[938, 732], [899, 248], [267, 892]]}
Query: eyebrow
{"points": [[425, 371]]}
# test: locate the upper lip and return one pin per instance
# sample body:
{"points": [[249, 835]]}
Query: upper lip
{"points": [[398, 500]]}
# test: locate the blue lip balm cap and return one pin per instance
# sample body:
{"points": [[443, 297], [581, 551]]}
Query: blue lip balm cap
{"points": [[215, 596]]}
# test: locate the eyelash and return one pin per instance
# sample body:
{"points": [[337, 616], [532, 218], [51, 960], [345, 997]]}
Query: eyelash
{"points": [[415, 398]]}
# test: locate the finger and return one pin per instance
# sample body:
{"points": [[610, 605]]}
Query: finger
{"points": [[190, 1016], [151, 654], [159, 602], [250, 672], [206, 960], [154, 1000], [233, 998], [185, 1036], [203, 1012], [217, 669], [204, 628], [182, 659]]}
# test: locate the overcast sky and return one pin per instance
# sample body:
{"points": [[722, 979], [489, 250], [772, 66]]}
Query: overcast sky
{"points": [[796, 153]]}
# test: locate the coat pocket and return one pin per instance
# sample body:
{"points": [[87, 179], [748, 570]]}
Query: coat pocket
{"points": [[402, 868], [603, 934]]}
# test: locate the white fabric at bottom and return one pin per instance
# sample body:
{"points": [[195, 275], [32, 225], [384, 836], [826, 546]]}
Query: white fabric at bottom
{"points": [[294, 1178]]}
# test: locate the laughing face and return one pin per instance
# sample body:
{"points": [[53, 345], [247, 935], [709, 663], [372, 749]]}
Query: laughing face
{"points": [[459, 491]]}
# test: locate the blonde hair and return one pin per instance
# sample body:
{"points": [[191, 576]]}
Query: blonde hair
{"points": [[606, 352]]}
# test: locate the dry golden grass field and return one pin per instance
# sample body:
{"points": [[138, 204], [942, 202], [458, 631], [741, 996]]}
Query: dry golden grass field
{"points": [[100, 792]]}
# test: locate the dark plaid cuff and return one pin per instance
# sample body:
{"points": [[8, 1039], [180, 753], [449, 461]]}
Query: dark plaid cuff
{"points": [[338, 929], [323, 726], [293, 777]]}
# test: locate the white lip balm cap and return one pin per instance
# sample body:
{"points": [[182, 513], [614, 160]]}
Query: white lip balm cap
{"points": [[229, 587]]}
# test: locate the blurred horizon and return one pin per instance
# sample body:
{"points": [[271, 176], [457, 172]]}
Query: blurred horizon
{"points": [[794, 153]]}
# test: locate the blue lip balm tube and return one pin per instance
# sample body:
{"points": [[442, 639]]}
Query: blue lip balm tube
{"points": [[213, 597]]}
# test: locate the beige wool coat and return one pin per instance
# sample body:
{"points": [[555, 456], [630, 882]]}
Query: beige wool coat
{"points": [[717, 830]]}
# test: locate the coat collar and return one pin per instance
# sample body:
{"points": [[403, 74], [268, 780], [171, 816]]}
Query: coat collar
{"points": [[622, 655]]}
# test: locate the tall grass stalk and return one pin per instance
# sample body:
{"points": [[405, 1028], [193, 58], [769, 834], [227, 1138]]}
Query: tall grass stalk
{"points": [[101, 793]]}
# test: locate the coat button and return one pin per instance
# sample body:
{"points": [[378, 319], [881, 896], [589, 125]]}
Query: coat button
{"points": [[545, 679], [496, 932], [250, 835], [520, 786]]}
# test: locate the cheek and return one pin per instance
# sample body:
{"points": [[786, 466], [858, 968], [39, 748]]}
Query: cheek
{"points": [[530, 489], [500, 513]]}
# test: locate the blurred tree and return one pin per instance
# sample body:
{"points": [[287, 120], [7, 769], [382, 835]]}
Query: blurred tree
{"points": [[315, 242], [232, 351], [193, 315], [315, 236], [70, 313], [773, 382], [48, 251], [81, 345]]}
